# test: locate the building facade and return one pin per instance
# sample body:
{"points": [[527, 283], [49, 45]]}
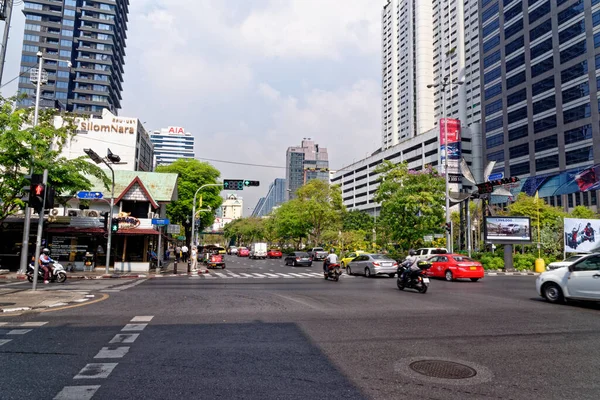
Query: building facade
{"points": [[125, 137], [304, 163], [540, 62], [171, 144], [90, 34], [275, 196]]}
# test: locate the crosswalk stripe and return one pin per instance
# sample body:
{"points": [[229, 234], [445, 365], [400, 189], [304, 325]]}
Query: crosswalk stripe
{"points": [[298, 275], [236, 275], [77, 392], [19, 331], [134, 327], [33, 324], [284, 275], [124, 338], [271, 275], [222, 275], [96, 371], [245, 275], [142, 318], [4, 341], [259, 275], [307, 275], [106, 352]]}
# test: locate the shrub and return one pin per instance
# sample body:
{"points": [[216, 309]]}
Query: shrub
{"points": [[524, 262], [492, 262]]}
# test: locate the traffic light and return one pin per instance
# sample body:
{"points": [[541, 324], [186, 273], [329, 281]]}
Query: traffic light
{"points": [[105, 215], [29, 180], [50, 192], [488, 187], [114, 226], [448, 227], [37, 192], [233, 184], [251, 183]]}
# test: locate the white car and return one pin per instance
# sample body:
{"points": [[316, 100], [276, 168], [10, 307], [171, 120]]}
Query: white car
{"points": [[565, 263], [426, 252], [579, 281]]}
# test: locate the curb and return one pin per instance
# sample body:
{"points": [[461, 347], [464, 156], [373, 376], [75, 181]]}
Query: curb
{"points": [[512, 273], [59, 304], [110, 276]]}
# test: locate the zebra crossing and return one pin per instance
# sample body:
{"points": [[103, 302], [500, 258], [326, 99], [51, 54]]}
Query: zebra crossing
{"points": [[262, 275]]}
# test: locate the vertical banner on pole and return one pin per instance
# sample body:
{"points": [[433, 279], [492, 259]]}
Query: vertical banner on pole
{"points": [[452, 149]]}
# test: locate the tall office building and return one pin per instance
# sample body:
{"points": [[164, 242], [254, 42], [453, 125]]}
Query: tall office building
{"points": [[423, 44], [540, 62], [171, 144], [275, 196], [305, 163], [88, 33]]}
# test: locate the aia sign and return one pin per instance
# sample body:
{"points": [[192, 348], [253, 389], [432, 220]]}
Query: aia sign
{"points": [[176, 130]]}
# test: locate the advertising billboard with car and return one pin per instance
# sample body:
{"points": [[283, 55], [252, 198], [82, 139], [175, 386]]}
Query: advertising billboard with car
{"points": [[580, 235], [508, 229], [451, 128]]}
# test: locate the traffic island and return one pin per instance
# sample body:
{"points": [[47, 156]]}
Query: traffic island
{"points": [[30, 300]]}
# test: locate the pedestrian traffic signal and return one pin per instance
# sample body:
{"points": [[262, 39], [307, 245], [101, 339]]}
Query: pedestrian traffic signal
{"points": [[50, 192], [29, 180], [37, 192], [114, 226]]}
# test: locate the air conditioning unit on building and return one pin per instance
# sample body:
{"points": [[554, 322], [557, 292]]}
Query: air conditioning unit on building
{"points": [[73, 212], [152, 215], [91, 213]]}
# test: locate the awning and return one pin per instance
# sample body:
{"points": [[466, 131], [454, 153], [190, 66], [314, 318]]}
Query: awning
{"points": [[137, 232], [100, 231]]}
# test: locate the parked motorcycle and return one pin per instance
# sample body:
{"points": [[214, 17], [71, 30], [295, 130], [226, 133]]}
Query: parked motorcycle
{"points": [[58, 273], [415, 279], [333, 271]]}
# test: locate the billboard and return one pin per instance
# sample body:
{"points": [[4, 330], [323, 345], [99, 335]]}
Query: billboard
{"points": [[451, 128], [508, 229], [580, 235]]}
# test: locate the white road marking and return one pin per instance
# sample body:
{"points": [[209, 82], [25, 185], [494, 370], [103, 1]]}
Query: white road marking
{"points": [[271, 275], [259, 275], [245, 275], [222, 275], [208, 276], [33, 324], [89, 295], [77, 392], [124, 338], [134, 327], [4, 341], [57, 305], [106, 352], [19, 331], [316, 274], [142, 318], [3, 323], [298, 275], [284, 275], [80, 300], [235, 275], [308, 275], [96, 371]]}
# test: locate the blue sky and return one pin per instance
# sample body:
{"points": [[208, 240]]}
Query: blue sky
{"points": [[251, 77]]}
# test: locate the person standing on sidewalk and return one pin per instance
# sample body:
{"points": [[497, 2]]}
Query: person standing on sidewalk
{"points": [[184, 252], [177, 253], [194, 258]]}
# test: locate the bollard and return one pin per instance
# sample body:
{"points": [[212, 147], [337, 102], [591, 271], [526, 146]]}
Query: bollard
{"points": [[189, 268], [540, 265], [175, 267]]}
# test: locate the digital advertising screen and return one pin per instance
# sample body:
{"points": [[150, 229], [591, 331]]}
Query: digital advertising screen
{"points": [[508, 229]]}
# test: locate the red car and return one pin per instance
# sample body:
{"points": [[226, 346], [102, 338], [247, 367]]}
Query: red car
{"points": [[274, 253], [455, 266], [243, 252]]}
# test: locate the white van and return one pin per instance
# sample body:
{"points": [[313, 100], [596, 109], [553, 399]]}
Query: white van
{"points": [[426, 252], [258, 250]]}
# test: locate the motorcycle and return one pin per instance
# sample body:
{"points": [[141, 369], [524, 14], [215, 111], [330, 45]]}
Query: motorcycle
{"points": [[415, 279], [58, 273], [333, 271]]}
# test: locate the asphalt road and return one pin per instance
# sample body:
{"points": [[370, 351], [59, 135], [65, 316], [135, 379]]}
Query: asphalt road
{"points": [[257, 337]]}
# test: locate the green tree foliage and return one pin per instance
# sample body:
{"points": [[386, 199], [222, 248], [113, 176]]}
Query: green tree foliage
{"points": [[320, 204], [583, 212], [245, 230], [412, 203], [192, 175], [357, 220], [290, 222], [24, 147]]}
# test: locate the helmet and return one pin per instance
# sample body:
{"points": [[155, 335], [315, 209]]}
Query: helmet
{"points": [[331, 251], [411, 252], [46, 250]]}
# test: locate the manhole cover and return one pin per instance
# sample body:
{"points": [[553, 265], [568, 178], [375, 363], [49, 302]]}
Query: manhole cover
{"points": [[443, 369], [7, 304]]}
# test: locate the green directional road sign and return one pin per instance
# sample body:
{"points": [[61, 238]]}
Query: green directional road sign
{"points": [[251, 183], [238, 184]]}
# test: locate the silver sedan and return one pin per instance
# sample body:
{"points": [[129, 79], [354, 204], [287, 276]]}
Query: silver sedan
{"points": [[371, 265]]}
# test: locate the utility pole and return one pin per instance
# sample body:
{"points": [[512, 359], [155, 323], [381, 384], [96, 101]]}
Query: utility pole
{"points": [[40, 231], [7, 14]]}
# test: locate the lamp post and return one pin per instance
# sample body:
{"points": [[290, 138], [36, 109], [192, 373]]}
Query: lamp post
{"points": [[36, 113], [114, 159], [194, 206], [443, 85]]}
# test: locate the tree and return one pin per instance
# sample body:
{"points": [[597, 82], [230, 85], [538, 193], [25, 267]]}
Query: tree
{"points": [[412, 203], [357, 220], [290, 222], [583, 212], [24, 147], [192, 174], [322, 207]]}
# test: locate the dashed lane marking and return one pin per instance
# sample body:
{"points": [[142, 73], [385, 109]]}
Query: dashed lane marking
{"points": [[106, 352], [77, 392], [124, 338], [96, 371], [134, 327], [142, 318], [33, 324]]}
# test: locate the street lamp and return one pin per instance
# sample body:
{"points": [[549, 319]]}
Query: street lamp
{"points": [[194, 206], [113, 160], [443, 85]]}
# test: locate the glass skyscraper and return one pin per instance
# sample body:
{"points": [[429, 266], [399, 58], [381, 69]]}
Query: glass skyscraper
{"points": [[171, 144], [305, 163], [88, 33], [275, 196]]}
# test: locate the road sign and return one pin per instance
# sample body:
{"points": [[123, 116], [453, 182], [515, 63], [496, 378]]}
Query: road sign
{"points": [[174, 229], [496, 175], [238, 184], [251, 183], [160, 221], [89, 195]]}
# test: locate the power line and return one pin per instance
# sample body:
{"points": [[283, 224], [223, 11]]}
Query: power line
{"points": [[16, 77], [241, 163]]}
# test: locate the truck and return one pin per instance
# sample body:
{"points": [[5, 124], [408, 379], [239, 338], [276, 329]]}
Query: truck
{"points": [[317, 253], [258, 250]]}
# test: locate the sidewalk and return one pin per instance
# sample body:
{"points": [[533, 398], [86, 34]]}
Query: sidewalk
{"points": [[167, 270], [18, 300]]}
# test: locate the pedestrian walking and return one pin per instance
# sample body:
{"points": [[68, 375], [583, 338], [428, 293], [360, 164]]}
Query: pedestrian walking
{"points": [[194, 258], [184, 252], [177, 253]]}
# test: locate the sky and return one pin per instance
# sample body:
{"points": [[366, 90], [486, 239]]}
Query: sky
{"points": [[249, 78]]}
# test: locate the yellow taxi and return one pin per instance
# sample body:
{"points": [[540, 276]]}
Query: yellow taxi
{"points": [[346, 260]]}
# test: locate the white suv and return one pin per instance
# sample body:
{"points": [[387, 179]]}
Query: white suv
{"points": [[578, 281], [426, 252]]}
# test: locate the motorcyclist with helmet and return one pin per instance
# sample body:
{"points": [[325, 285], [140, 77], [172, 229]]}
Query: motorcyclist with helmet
{"points": [[45, 264], [411, 264], [332, 258]]}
